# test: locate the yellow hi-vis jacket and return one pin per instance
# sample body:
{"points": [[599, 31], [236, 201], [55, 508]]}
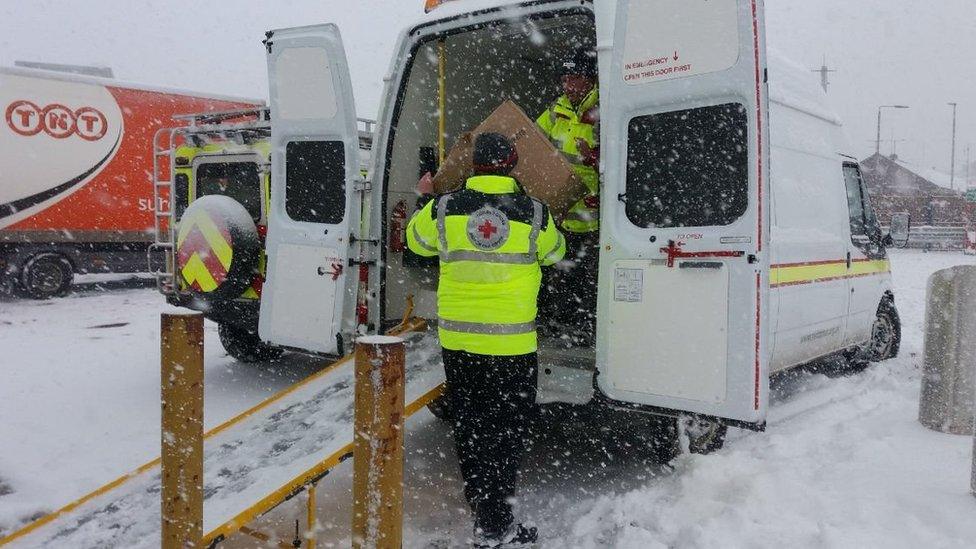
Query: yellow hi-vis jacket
{"points": [[564, 124], [491, 239]]}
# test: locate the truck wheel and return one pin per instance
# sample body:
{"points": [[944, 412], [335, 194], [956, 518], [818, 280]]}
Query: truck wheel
{"points": [[46, 275], [885, 333], [245, 345]]}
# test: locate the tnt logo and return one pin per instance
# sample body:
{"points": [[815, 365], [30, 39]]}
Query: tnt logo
{"points": [[60, 122]]}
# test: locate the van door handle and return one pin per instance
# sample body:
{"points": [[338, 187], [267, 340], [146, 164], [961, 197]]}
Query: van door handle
{"points": [[700, 265], [848, 259]]}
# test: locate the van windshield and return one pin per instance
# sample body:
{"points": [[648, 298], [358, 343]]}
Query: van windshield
{"points": [[238, 180], [688, 168]]}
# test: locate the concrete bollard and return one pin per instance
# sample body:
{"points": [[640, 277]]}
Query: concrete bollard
{"points": [[377, 515], [181, 361], [949, 377]]}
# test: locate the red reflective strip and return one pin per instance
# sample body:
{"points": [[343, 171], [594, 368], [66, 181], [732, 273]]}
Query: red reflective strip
{"points": [[362, 305], [755, 38], [758, 309]]}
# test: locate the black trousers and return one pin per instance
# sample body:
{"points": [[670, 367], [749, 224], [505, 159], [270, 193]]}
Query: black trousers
{"points": [[492, 399], [569, 291]]}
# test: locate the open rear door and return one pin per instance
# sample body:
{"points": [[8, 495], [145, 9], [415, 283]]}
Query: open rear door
{"points": [[314, 167], [685, 215]]}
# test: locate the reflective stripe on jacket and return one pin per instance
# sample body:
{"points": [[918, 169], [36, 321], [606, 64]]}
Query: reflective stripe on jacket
{"points": [[564, 124], [491, 239]]}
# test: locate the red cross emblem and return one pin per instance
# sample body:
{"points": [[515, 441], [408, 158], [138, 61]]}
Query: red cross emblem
{"points": [[487, 229]]}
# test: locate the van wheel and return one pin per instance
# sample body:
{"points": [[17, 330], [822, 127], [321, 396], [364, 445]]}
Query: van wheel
{"points": [[885, 334], [700, 436], [47, 275], [245, 345], [671, 437]]}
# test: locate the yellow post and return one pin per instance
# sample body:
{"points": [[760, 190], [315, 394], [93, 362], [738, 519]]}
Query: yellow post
{"points": [[310, 502], [181, 353], [441, 100], [377, 520]]}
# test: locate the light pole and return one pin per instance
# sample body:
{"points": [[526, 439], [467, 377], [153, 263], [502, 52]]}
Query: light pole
{"points": [[877, 148], [952, 163]]}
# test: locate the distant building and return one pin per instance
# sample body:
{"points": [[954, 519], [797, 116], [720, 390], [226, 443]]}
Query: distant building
{"points": [[895, 187]]}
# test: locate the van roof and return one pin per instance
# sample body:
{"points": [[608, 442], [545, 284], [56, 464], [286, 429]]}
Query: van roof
{"points": [[453, 8], [794, 86], [99, 81]]}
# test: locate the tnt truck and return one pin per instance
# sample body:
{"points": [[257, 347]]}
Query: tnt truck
{"points": [[76, 194], [737, 239], [213, 231]]}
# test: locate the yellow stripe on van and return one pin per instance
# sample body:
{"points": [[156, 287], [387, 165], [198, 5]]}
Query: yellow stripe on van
{"points": [[824, 271], [862, 268]]}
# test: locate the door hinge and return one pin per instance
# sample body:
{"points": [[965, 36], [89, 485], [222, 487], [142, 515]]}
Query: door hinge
{"points": [[354, 239], [354, 262], [753, 259]]}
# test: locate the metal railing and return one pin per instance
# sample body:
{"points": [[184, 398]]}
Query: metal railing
{"points": [[942, 236]]}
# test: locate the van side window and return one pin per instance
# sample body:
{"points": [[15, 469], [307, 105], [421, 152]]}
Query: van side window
{"points": [[855, 202], [865, 230], [315, 181], [688, 168]]}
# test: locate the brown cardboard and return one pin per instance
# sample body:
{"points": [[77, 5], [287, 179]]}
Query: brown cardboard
{"points": [[542, 170]]}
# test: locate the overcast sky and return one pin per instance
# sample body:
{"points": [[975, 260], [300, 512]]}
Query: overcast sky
{"points": [[922, 54]]}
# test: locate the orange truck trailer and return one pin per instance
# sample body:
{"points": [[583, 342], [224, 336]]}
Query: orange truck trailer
{"points": [[76, 174]]}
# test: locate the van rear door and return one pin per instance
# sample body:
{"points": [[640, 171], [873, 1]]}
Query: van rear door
{"points": [[314, 167], [685, 213]]}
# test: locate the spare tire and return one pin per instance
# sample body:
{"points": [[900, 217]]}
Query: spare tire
{"points": [[217, 248]]}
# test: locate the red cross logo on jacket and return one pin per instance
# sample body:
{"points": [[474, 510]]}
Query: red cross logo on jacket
{"points": [[487, 229]]}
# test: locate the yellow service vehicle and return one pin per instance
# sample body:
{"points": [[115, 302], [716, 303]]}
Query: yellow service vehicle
{"points": [[216, 168]]}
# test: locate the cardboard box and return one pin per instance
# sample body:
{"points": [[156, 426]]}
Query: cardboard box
{"points": [[542, 170]]}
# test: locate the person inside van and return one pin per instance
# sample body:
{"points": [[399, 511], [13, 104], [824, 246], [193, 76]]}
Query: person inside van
{"points": [[572, 125]]}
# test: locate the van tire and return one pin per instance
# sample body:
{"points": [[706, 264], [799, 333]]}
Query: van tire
{"points": [[46, 275], [669, 434], [245, 345], [885, 333]]}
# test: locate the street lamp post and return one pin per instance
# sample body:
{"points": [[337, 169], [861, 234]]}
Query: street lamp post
{"points": [[877, 149], [952, 163]]}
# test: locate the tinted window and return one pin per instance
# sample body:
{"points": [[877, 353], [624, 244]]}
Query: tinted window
{"points": [[238, 180], [182, 191], [688, 168], [855, 202], [315, 185]]}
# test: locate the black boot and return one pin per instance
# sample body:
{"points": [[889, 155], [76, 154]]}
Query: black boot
{"points": [[516, 536]]}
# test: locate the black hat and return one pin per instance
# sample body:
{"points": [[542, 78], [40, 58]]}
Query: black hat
{"points": [[582, 62], [493, 154]]}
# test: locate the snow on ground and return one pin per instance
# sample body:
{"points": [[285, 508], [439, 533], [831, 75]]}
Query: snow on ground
{"points": [[79, 396], [844, 462]]}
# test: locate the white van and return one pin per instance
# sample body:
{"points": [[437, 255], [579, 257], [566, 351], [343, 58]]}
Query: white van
{"points": [[736, 238]]}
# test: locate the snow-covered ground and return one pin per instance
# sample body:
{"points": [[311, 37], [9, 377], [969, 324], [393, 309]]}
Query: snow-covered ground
{"points": [[79, 391], [844, 462]]}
